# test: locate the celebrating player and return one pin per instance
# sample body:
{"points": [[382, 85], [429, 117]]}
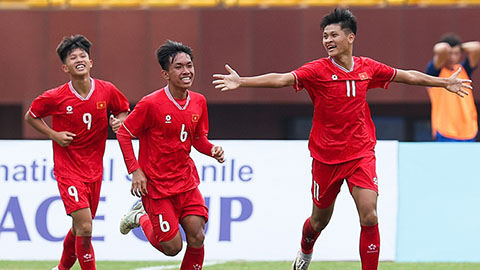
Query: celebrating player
{"points": [[342, 138], [79, 111], [168, 122]]}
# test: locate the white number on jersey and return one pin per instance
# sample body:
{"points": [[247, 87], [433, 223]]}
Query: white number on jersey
{"points": [[164, 225], [183, 134], [87, 119], [316, 191], [351, 88], [72, 191]]}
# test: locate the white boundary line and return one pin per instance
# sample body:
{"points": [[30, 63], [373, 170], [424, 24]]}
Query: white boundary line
{"points": [[165, 267]]}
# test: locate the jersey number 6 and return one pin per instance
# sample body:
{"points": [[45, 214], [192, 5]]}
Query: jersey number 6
{"points": [[164, 225], [183, 134]]}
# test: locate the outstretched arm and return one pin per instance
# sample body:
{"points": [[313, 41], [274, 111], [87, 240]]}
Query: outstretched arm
{"points": [[233, 81], [452, 84]]}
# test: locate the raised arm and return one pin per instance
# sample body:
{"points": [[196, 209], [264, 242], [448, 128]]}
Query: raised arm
{"points": [[472, 48], [233, 81], [441, 52], [452, 84]]}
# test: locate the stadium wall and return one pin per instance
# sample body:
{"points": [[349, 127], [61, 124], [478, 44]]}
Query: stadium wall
{"points": [[260, 193], [252, 40]]}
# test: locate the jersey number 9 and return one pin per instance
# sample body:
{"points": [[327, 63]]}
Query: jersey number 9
{"points": [[87, 119]]}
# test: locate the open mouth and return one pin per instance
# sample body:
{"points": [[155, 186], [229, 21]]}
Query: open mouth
{"points": [[331, 47], [80, 66], [186, 79]]}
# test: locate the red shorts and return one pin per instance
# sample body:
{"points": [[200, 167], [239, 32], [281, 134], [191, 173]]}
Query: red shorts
{"points": [[165, 213], [328, 178], [78, 195]]}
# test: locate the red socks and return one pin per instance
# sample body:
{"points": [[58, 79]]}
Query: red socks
{"points": [[149, 233], [369, 247], [68, 256], [84, 250], [193, 259], [309, 236]]}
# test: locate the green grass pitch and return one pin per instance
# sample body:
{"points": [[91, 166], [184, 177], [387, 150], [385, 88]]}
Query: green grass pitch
{"points": [[240, 265]]}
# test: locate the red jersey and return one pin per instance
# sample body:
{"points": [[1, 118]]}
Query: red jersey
{"points": [[167, 128], [87, 118], [342, 128]]}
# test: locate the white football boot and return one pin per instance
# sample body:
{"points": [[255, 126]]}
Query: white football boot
{"points": [[302, 261], [131, 219]]}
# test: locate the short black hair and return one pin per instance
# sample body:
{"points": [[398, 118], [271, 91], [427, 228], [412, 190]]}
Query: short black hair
{"points": [[167, 52], [342, 16], [68, 44], [452, 39]]}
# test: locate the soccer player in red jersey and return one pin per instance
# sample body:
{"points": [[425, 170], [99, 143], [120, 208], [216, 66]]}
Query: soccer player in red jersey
{"points": [[168, 122], [342, 138], [79, 111]]}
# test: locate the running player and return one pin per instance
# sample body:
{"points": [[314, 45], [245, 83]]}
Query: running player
{"points": [[168, 122], [79, 111], [342, 138]]}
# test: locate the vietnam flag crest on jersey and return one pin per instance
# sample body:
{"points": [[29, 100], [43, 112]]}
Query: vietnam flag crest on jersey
{"points": [[101, 105], [195, 118], [363, 76]]}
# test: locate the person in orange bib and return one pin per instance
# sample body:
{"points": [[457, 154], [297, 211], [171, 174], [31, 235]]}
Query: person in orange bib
{"points": [[458, 122]]}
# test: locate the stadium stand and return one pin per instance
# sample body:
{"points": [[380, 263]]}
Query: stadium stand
{"points": [[363, 2], [436, 2], [13, 4], [281, 3], [321, 2], [84, 3], [122, 3], [162, 3], [201, 3], [395, 2], [469, 2], [23, 4], [37, 3], [242, 3]]}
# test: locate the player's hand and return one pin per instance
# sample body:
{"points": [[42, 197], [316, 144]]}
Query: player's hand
{"points": [[115, 123], [217, 153], [227, 82], [457, 86], [139, 183], [63, 138]]}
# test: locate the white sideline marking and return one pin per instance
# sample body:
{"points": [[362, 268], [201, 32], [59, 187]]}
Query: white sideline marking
{"points": [[165, 267]]}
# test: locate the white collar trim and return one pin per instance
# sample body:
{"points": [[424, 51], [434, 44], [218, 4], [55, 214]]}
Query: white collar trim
{"points": [[342, 68], [70, 85], [169, 95]]}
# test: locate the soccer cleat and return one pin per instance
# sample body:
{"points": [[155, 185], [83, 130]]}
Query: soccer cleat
{"points": [[131, 219], [302, 261]]}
